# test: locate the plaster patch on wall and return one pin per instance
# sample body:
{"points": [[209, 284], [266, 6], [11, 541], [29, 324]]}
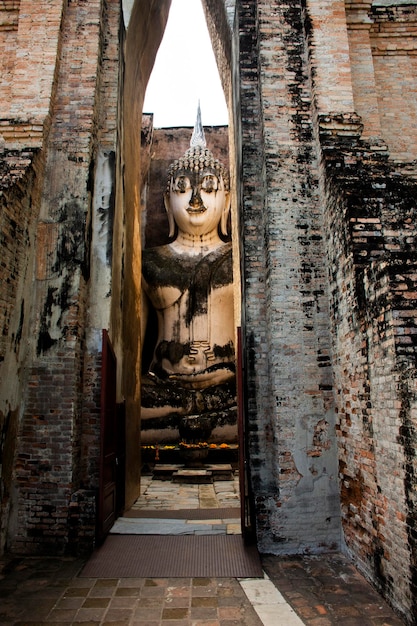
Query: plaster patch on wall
{"points": [[321, 440]]}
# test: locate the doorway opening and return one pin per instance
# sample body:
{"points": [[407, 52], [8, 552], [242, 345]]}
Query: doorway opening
{"points": [[162, 449]]}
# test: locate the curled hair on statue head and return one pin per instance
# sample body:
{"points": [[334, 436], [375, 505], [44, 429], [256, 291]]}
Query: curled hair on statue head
{"points": [[198, 159]]}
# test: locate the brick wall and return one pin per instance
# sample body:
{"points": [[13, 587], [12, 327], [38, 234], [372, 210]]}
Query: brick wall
{"points": [[289, 378], [325, 27], [362, 67], [9, 19], [394, 53], [383, 53], [19, 201], [371, 234], [297, 64], [58, 450], [31, 41]]}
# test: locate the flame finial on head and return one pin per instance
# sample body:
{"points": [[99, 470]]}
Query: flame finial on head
{"points": [[198, 138], [198, 157]]}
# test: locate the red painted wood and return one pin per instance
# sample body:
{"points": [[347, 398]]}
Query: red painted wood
{"points": [[108, 441]]}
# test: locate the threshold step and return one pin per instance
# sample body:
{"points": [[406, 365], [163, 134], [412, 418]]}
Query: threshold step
{"points": [[221, 471], [193, 476], [165, 471]]}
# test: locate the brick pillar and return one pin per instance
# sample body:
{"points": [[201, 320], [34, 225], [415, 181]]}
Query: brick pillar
{"points": [[254, 270], [285, 297], [329, 50], [369, 226], [362, 67], [48, 467]]}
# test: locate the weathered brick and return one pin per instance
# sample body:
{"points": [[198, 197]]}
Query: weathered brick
{"points": [[322, 100]]}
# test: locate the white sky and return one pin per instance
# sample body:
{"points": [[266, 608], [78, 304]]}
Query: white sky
{"points": [[185, 72]]}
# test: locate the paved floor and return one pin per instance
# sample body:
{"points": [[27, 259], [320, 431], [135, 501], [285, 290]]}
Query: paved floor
{"points": [[327, 590], [164, 495], [316, 591]]}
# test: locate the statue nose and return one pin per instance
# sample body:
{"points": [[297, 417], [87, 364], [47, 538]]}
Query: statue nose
{"points": [[196, 200]]}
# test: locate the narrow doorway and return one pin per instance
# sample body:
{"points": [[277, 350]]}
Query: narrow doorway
{"points": [[157, 449], [189, 480], [163, 448]]}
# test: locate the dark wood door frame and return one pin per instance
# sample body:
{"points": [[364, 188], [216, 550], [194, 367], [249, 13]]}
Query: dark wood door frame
{"points": [[247, 516], [107, 500]]}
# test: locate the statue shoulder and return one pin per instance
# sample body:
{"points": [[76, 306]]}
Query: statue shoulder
{"points": [[162, 267], [223, 267]]}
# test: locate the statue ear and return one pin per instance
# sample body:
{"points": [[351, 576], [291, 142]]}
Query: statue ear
{"points": [[225, 214], [171, 220]]}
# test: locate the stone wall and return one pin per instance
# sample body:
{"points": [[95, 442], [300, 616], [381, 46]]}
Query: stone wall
{"points": [[371, 233], [326, 213], [285, 290], [73, 68]]}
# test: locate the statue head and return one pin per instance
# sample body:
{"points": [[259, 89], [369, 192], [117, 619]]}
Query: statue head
{"points": [[197, 196]]}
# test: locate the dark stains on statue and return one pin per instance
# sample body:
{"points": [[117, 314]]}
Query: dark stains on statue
{"points": [[217, 403], [162, 268]]}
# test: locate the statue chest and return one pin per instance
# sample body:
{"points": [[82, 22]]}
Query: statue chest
{"points": [[188, 282]]}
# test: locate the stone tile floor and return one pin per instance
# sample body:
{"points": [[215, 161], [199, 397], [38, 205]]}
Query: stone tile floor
{"points": [[152, 526], [323, 591], [35, 591], [162, 495], [315, 591], [326, 590]]}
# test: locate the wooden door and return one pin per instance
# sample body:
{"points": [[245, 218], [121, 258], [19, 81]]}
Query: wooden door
{"points": [[107, 501], [247, 517]]}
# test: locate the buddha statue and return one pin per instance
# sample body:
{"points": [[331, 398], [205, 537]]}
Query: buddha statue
{"points": [[190, 382]]}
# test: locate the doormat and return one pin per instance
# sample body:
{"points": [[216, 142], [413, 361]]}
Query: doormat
{"points": [[230, 513], [169, 556]]}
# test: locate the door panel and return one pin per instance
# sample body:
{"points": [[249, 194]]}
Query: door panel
{"points": [[108, 441], [247, 518]]}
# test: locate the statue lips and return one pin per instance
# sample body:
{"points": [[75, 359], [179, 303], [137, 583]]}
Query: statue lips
{"points": [[196, 210]]}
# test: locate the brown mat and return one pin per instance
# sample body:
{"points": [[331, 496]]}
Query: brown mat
{"points": [[185, 513], [168, 556]]}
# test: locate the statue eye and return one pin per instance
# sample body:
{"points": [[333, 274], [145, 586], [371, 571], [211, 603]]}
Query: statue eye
{"points": [[182, 184], [209, 184]]}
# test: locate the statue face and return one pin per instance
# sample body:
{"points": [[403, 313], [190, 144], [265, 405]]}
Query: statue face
{"points": [[197, 201]]}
